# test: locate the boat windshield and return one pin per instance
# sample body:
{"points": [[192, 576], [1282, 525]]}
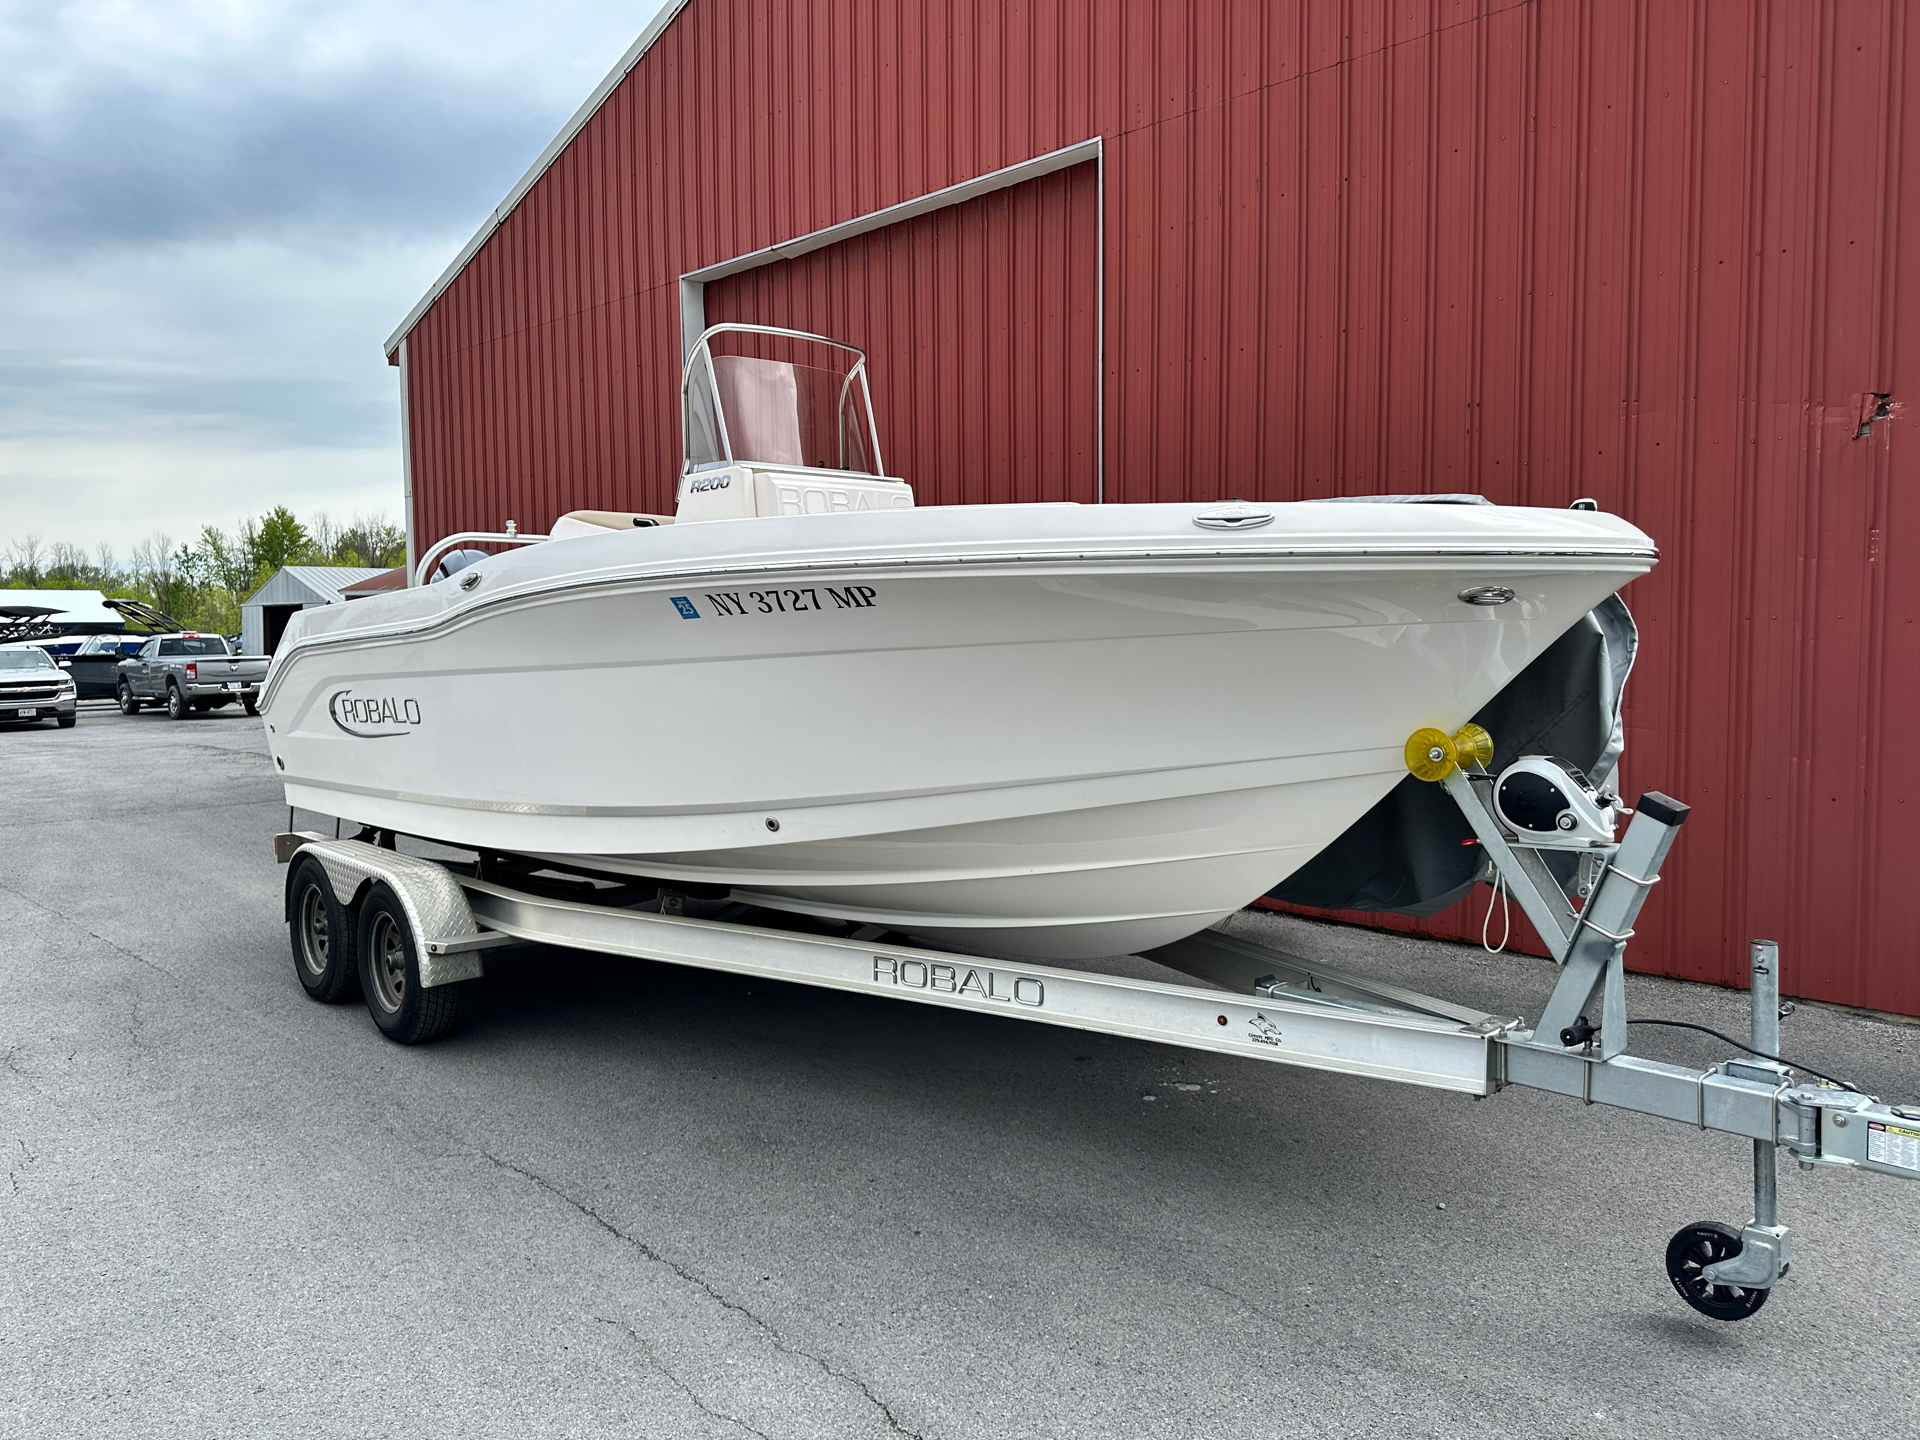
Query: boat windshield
{"points": [[762, 396]]}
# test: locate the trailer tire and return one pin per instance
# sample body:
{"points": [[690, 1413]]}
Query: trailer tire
{"points": [[323, 934], [389, 952], [252, 704], [1697, 1246]]}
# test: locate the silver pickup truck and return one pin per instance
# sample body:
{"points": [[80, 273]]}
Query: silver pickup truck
{"points": [[188, 674]]}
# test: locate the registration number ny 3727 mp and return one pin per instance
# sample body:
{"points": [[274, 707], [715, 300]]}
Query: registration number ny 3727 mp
{"points": [[729, 603]]}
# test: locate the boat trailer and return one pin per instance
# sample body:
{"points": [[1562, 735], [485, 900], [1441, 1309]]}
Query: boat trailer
{"points": [[410, 932]]}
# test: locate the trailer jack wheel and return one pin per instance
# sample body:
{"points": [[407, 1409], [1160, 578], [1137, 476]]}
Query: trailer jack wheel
{"points": [[1696, 1246]]}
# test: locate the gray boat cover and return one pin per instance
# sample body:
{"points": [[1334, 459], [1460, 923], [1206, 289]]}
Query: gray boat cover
{"points": [[1411, 854]]}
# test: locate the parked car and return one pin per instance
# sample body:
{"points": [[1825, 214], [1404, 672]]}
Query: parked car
{"points": [[189, 674], [34, 687], [95, 665]]}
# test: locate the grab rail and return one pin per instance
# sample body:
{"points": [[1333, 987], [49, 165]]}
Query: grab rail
{"points": [[511, 537]]}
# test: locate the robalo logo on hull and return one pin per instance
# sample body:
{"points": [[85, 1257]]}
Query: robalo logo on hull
{"points": [[373, 717]]}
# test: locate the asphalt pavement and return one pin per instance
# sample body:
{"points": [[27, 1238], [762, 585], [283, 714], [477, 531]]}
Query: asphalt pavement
{"points": [[628, 1199]]}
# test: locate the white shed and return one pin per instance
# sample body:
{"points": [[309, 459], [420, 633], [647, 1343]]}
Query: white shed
{"points": [[263, 618]]}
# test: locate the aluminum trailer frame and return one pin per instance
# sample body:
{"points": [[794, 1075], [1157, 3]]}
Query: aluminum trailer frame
{"points": [[1272, 1006]]}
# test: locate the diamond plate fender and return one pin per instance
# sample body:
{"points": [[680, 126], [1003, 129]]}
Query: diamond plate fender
{"points": [[435, 904]]}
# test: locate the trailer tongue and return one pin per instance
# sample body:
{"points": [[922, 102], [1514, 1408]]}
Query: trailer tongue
{"points": [[410, 932]]}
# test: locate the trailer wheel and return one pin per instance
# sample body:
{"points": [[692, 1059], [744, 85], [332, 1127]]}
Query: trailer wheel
{"points": [[406, 1013], [253, 705], [1694, 1248], [322, 930]]}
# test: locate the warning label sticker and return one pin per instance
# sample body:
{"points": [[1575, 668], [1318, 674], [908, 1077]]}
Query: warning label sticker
{"points": [[1893, 1145]]}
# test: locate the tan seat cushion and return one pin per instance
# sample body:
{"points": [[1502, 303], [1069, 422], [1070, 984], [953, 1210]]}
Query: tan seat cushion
{"points": [[616, 519]]}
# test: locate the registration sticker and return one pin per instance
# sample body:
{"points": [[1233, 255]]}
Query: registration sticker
{"points": [[685, 607]]}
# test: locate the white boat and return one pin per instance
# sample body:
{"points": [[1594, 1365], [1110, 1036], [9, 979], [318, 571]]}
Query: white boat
{"points": [[1051, 731]]}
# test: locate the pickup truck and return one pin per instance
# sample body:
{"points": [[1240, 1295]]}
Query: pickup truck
{"points": [[189, 674]]}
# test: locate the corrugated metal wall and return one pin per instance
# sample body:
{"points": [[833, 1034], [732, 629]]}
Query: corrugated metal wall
{"points": [[1659, 253]]}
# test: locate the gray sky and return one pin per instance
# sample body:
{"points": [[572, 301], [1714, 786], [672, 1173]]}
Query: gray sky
{"points": [[211, 215]]}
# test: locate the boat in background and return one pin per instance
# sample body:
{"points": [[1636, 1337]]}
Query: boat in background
{"points": [[1053, 731]]}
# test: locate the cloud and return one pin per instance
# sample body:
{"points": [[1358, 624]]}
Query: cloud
{"points": [[134, 475], [131, 165], [211, 214], [269, 332], [138, 124]]}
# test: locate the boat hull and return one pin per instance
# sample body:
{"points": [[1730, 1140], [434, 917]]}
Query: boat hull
{"points": [[1001, 745]]}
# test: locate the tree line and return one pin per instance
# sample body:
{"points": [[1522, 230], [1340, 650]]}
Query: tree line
{"points": [[203, 584]]}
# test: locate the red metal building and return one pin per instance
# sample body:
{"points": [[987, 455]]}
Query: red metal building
{"points": [[1660, 253]]}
